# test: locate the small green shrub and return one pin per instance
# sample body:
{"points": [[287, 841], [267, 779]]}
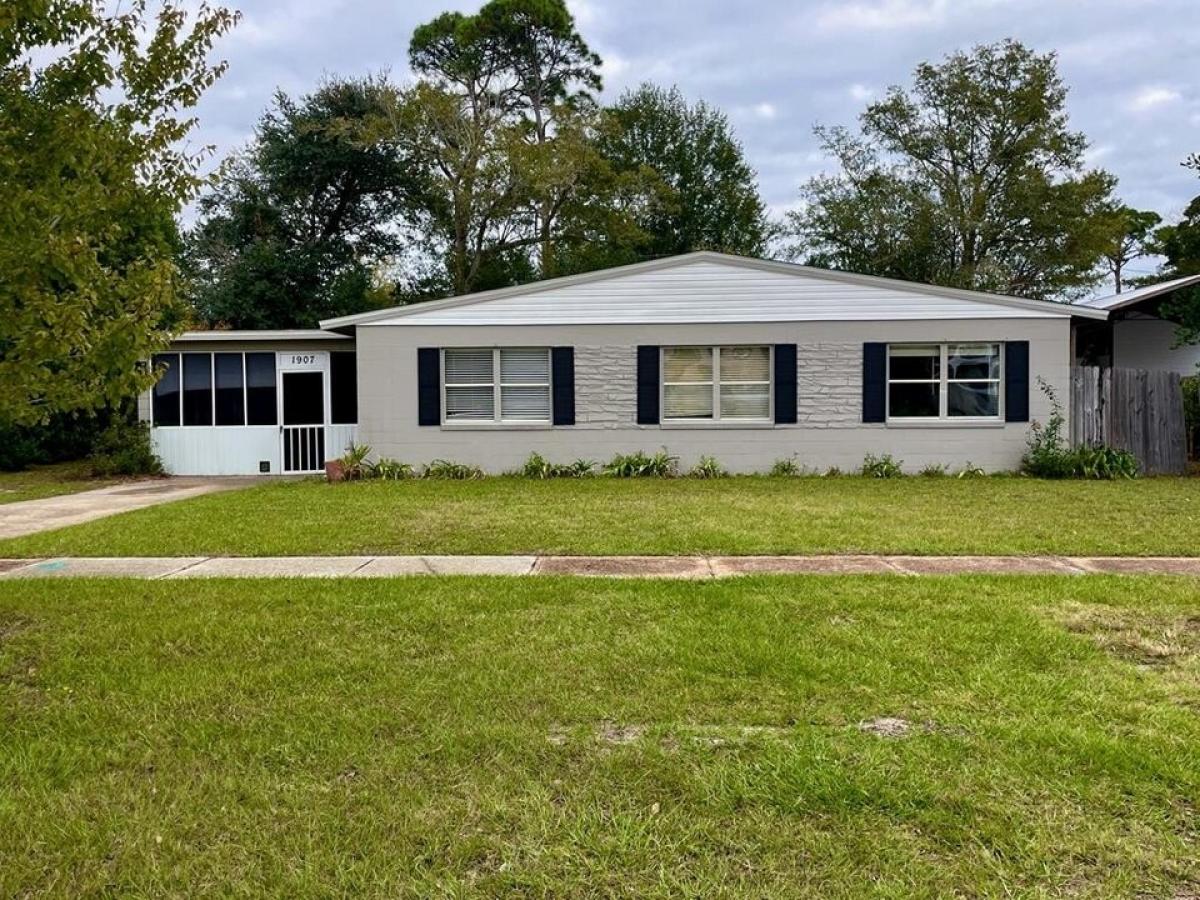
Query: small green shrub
{"points": [[708, 467], [1104, 463], [123, 448], [354, 462], [387, 469], [785, 468], [18, 449], [832, 472], [642, 465], [1047, 455], [881, 466], [933, 470], [443, 468], [539, 467]]}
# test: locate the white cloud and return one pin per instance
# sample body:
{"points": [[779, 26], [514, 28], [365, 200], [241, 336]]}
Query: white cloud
{"points": [[882, 15], [765, 110], [613, 66], [1152, 97], [861, 92], [583, 11]]}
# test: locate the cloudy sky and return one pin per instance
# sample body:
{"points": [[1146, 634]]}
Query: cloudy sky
{"points": [[779, 67]]}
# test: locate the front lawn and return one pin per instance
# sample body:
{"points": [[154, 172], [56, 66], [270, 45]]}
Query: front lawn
{"points": [[475, 737], [658, 517], [37, 482]]}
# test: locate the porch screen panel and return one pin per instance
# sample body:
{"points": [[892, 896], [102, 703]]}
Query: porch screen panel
{"points": [[166, 390], [231, 405], [261, 406], [343, 388], [197, 389]]}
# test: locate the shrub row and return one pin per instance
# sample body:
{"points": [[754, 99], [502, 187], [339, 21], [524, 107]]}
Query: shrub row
{"points": [[354, 466]]}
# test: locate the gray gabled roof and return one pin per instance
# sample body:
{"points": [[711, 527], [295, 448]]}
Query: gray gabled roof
{"points": [[848, 305], [1129, 298]]}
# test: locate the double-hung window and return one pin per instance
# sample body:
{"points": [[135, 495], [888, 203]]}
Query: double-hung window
{"points": [[714, 384], [944, 381], [506, 385]]}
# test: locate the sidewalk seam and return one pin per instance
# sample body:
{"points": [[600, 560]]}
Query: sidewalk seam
{"points": [[183, 568]]}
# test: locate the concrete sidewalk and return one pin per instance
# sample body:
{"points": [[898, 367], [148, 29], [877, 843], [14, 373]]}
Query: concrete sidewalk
{"points": [[695, 567]]}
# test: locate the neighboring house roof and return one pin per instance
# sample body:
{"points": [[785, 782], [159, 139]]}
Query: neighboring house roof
{"points": [[711, 287], [287, 334], [1131, 298]]}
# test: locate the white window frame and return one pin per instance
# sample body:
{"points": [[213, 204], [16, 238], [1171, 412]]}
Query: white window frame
{"points": [[715, 350], [943, 381], [497, 386]]}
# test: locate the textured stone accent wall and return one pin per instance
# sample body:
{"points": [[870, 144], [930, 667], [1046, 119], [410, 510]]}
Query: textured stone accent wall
{"points": [[605, 387], [829, 385]]}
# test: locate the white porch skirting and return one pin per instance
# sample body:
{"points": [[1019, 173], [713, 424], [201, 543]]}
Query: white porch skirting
{"points": [[234, 449]]}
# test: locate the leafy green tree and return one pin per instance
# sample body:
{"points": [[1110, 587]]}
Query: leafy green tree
{"points": [[1180, 244], [94, 167], [708, 194], [1130, 236], [499, 121], [971, 179], [305, 215]]}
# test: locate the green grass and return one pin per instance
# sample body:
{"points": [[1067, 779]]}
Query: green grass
{"points": [[37, 482], [484, 737], [685, 516]]}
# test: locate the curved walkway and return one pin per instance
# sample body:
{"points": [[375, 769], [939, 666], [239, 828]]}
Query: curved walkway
{"points": [[696, 567], [31, 516]]}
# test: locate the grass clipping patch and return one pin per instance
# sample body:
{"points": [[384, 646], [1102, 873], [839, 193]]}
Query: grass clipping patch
{"points": [[1144, 639], [1164, 645]]}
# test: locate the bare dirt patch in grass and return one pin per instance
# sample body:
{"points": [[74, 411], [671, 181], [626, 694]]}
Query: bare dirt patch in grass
{"points": [[1144, 639], [618, 735]]}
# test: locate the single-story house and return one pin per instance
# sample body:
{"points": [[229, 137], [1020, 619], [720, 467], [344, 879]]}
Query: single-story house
{"points": [[749, 361], [1136, 335]]}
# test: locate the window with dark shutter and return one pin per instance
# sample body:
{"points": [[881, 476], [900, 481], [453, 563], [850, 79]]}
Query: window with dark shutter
{"points": [[785, 384], [562, 371], [429, 386], [874, 386], [647, 385], [1016, 381]]}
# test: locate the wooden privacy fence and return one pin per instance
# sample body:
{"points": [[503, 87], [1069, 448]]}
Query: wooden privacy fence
{"points": [[1131, 409]]}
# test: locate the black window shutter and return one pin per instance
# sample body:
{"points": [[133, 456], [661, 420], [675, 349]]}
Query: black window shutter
{"points": [[874, 403], [429, 386], [1016, 381], [647, 385], [785, 384], [562, 368]]}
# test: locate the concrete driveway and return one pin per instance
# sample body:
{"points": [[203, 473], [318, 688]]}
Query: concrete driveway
{"points": [[30, 516]]}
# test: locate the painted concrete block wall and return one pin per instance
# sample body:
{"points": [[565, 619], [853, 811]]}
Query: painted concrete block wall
{"points": [[1149, 344], [829, 371]]}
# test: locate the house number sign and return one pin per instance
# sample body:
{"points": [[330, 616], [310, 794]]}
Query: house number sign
{"points": [[293, 362]]}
